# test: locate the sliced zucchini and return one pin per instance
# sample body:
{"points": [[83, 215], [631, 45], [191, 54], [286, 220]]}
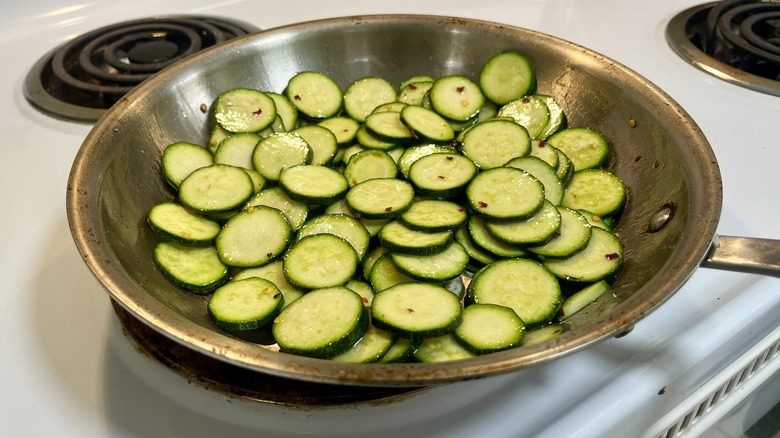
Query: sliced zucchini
{"points": [[278, 151], [444, 265], [413, 93], [371, 347], [580, 299], [529, 111], [442, 175], [341, 225], [198, 270], [369, 164], [426, 124], [244, 110], [537, 229], [253, 237], [388, 125], [572, 235], [246, 304], [314, 94], [507, 76], [493, 143], [400, 239], [401, 351], [237, 150], [216, 135], [313, 184], [384, 274], [180, 159], [343, 127], [487, 328], [369, 140], [380, 198], [434, 215], [441, 349], [323, 323], [294, 211], [585, 147], [274, 273], [546, 174], [365, 290], [504, 194], [363, 95], [557, 120], [320, 261], [601, 258], [285, 111], [478, 256], [416, 310], [216, 188], [414, 153], [322, 142], [485, 241], [543, 333], [596, 190], [173, 222], [456, 97], [523, 285], [546, 152]]}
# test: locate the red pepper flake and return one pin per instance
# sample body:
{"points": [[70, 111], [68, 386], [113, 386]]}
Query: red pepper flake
{"points": [[638, 157], [612, 256], [450, 158], [542, 143], [364, 299], [412, 87], [389, 209], [482, 204], [656, 164], [460, 89], [257, 112], [297, 97], [410, 310], [276, 296], [526, 100], [441, 177], [461, 210], [270, 254]]}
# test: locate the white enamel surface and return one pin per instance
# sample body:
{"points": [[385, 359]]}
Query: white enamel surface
{"points": [[69, 371]]}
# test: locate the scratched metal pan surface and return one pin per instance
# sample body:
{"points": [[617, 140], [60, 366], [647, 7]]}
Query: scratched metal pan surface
{"points": [[664, 160]]}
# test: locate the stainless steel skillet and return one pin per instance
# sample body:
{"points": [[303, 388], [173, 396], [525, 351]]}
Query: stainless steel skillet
{"points": [[668, 227]]}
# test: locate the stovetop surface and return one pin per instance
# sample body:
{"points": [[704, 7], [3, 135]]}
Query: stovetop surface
{"points": [[69, 370]]}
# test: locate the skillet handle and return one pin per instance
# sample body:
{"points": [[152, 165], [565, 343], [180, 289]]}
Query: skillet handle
{"points": [[744, 254]]}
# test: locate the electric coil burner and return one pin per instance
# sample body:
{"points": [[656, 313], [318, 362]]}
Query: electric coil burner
{"points": [[735, 40], [84, 77]]}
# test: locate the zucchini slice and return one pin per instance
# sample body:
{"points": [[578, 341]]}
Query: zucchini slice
{"points": [[442, 175], [441, 349], [601, 258], [507, 76], [434, 215], [585, 147], [274, 273], [323, 323], [244, 110], [319, 261], [198, 270], [245, 304], [528, 111], [314, 94], [173, 222], [216, 189], [456, 97], [294, 211], [369, 164], [505, 193], [380, 198], [278, 151], [180, 159], [426, 124], [596, 190], [572, 235], [341, 225], [416, 310], [322, 142], [523, 285], [493, 143], [253, 237], [313, 184], [400, 239], [487, 328], [370, 348], [580, 299], [237, 150], [445, 265], [363, 95]]}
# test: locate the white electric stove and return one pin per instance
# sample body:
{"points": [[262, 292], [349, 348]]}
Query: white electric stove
{"points": [[706, 363]]}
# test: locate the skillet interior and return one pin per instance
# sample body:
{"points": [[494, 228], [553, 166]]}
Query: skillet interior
{"points": [[664, 159]]}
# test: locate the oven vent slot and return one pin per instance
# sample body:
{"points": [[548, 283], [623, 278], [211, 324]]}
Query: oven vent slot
{"points": [[716, 398]]}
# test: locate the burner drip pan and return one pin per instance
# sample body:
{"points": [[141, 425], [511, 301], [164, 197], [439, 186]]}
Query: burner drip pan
{"points": [[735, 40], [84, 77], [237, 382]]}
